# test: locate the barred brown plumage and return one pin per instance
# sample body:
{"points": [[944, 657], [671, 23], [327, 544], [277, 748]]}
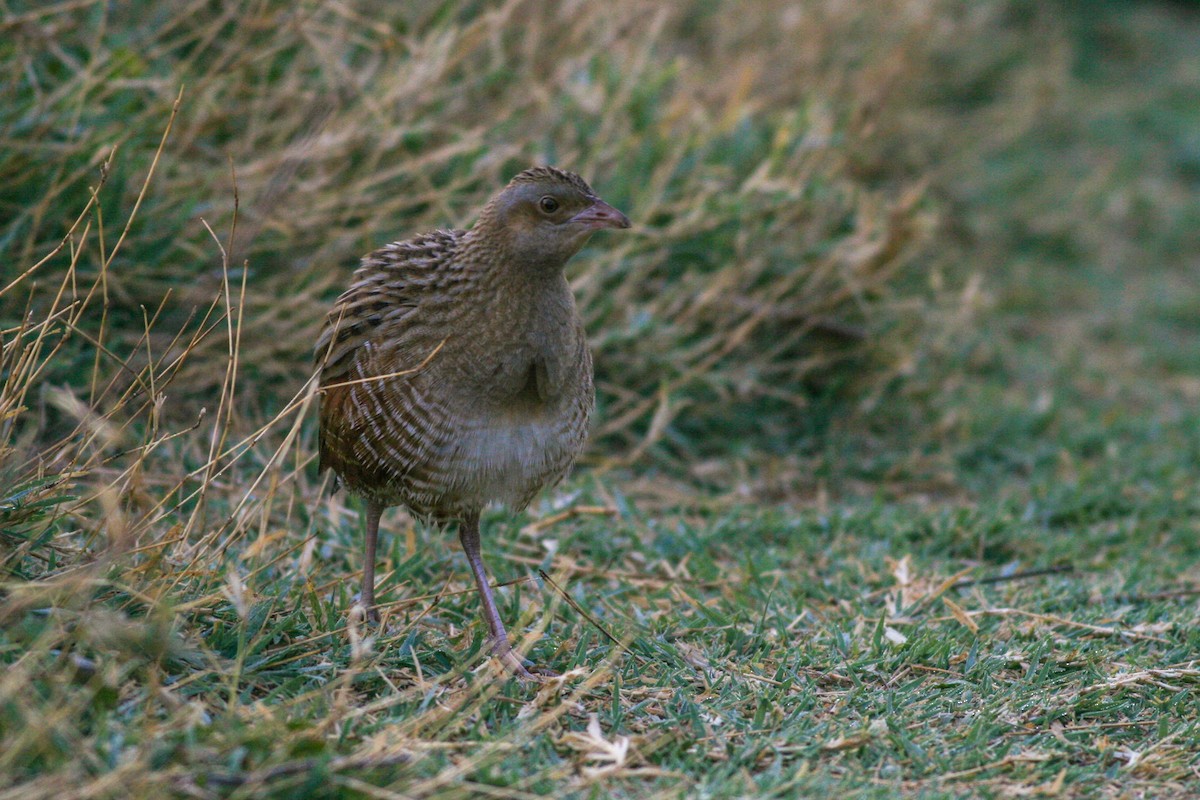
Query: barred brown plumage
{"points": [[455, 371]]}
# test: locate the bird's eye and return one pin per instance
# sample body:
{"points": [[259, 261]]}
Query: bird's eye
{"points": [[548, 204]]}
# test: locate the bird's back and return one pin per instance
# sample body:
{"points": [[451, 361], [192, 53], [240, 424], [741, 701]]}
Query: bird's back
{"points": [[446, 387]]}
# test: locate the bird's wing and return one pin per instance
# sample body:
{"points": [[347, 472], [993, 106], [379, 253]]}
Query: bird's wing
{"points": [[386, 288], [369, 318]]}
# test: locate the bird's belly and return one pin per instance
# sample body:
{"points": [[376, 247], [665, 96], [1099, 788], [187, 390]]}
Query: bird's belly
{"points": [[509, 460]]}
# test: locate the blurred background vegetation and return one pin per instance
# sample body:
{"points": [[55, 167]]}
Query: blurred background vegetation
{"points": [[906, 249], [826, 193], [779, 256], [824, 201]]}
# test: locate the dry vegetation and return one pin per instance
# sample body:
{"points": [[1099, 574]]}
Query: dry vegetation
{"points": [[761, 260], [185, 187]]}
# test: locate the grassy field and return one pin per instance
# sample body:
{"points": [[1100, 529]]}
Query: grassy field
{"points": [[894, 488]]}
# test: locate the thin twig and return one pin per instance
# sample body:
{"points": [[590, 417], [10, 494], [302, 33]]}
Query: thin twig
{"points": [[579, 609], [1170, 594], [1014, 576]]}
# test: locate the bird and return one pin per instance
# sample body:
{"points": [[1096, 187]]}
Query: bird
{"points": [[455, 373]]}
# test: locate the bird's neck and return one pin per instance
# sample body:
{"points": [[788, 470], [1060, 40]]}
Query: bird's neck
{"points": [[518, 299], [503, 268]]}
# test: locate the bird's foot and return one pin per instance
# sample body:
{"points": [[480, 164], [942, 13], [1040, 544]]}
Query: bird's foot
{"points": [[360, 612], [519, 667]]}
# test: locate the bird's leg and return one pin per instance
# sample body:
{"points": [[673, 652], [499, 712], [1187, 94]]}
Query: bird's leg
{"points": [[367, 596], [468, 534]]}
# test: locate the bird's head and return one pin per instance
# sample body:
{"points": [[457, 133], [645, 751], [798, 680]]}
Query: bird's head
{"points": [[544, 216]]}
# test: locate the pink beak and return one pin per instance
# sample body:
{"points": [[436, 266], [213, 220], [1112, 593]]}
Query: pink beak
{"points": [[601, 215]]}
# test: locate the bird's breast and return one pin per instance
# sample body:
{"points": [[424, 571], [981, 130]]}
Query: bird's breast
{"points": [[525, 426]]}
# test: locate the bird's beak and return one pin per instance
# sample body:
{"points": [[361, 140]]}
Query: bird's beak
{"points": [[601, 215]]}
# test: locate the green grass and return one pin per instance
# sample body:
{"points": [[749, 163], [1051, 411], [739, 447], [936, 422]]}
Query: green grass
{"points": [[955, 554]]}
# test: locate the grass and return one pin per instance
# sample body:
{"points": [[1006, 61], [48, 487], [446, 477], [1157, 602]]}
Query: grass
{"points": [[894, 492]]}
